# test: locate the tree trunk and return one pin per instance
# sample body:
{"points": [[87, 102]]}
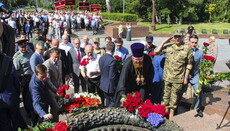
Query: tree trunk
{"points": [[108, 6], [153, 25]]}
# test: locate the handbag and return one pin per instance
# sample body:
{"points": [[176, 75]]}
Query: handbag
{"points": [[228, 64]]}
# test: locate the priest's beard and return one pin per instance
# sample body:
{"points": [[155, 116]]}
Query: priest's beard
{"points": [[137, 65]]}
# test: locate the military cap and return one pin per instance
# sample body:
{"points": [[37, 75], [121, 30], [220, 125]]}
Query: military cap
{"points": [[149, 39], [22, 43], [96, 39], [178, 32]]}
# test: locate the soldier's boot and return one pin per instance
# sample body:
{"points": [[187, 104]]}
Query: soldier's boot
{"points": [[171, 114]]}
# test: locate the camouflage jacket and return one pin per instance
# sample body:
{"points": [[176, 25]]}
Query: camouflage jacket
{"points": [[178, 59]]}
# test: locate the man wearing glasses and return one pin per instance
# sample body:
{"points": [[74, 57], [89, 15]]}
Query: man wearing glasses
{"points": [[178, 64]]}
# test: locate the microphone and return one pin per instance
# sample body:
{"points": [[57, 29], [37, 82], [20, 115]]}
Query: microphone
{"points": [[5, 9]]}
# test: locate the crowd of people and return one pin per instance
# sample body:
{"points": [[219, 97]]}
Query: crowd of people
{"points": [[159, 73], [54, 23]]}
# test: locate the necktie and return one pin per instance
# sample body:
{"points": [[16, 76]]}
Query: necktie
{"points": [[78, 55], [193, 51]]}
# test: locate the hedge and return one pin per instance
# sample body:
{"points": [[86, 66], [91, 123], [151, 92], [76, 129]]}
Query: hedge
{"points": [[120, 17]]}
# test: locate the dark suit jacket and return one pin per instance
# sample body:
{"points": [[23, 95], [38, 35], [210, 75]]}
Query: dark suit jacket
{"points": [[109, 75], [73, 60], [39, 93]]}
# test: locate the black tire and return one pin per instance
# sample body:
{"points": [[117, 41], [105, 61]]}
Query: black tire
{"points": [[116, 119]]}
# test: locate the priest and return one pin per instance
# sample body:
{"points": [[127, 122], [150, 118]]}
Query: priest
{"points": [[136, 74]]}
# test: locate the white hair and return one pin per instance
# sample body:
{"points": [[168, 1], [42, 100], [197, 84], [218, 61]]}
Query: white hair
{"points": [[64, 36]]}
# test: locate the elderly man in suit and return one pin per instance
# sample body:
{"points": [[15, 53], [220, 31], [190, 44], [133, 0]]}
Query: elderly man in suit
{"points": [[109, 75], [75, 55], [54, 73], [37, 57]]}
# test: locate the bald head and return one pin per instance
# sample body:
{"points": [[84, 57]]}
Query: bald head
{"points": [[76, 43], [89, 50], [212, 39], [55, 43], [86, 39]]}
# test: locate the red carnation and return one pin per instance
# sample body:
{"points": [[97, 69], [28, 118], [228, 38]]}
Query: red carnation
{"points": [[85, 61], [117, 57], [132, 102], [67, 96], [49, 40], [160, 109], [62, 94], [209, 58], [61, 126], [66, 87], [151, 53], [206, 44], [59, 90]]}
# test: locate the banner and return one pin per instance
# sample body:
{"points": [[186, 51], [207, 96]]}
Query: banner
{"points": [[59, 3], [69, 2], [61, 8], [84, 5], [95, 8]]}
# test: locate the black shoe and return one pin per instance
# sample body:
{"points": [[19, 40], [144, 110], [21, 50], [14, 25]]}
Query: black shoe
{"points": [[199, 113]]}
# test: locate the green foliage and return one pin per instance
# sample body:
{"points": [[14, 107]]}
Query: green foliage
{"points": [[29, 10], [168, 29], [40, 127], [120, 17]]}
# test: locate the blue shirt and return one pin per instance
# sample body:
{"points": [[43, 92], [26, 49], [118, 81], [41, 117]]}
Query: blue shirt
{"points": [[197, 59], [123, 52], [158, 65], [93, 23]]}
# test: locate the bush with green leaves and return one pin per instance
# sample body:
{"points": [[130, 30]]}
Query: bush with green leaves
{"points": [[120, 17]]}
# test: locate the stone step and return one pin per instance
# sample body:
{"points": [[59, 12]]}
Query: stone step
{"points": [[217, 102], [208, 123]]}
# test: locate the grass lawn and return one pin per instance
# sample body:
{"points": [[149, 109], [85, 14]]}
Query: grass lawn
{"points": [[29, 10], [169, 29]]}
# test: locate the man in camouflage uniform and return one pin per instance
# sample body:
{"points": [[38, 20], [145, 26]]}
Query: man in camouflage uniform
{"points": [[178, 64], [37, 38], [21, 61]]}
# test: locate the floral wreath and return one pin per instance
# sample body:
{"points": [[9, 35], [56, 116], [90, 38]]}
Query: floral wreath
{"points": [[207, 77], [152, 113]]}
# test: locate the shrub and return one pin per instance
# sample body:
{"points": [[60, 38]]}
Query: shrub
{"points": [[120, 17]]}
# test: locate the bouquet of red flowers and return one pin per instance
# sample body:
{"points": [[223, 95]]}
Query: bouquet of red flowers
{"points": [[85, 61], [119, 62], [205, 47], [80, 101], [63, 97], [209, 58], [206, 44], [133, 101], [153, 113], [60, 126], [148, 107], [62, 90]]}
